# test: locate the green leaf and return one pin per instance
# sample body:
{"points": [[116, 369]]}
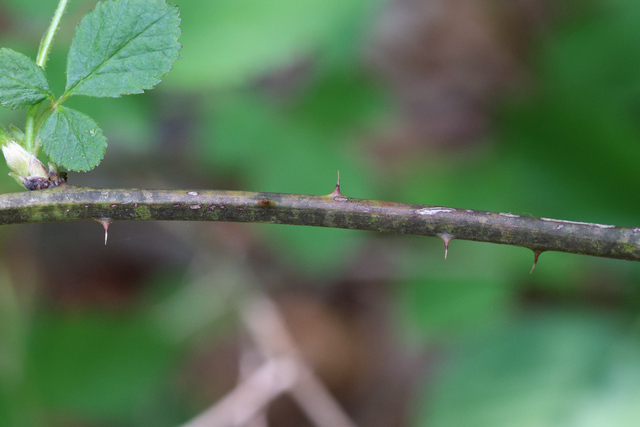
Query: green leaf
{"points": [[22, 82], [122, 47], [72, 139]]}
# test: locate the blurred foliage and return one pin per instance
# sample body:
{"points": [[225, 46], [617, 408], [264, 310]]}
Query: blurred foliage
{"points": [[561, 368], [229, 42], [278, 96]]}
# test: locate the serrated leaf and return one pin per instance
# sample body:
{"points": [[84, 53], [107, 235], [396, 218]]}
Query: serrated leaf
{"points": [[22, 82], [73, 140], [123, 47]]}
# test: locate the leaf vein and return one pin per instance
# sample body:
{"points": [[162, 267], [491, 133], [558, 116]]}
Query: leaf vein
{"points": [[109, 58], [39, 89]]}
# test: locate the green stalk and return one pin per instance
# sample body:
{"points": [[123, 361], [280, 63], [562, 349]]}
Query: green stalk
{"points": [[31, 144], [47, 40], [29, 130]]}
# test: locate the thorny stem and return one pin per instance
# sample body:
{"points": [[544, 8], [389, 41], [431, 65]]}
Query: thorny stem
{"points": [[43, 55], [334, 210]]}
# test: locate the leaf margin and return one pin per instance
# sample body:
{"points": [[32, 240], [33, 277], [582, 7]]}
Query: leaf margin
{"points": [[74, 85], [24, 64], [51, 133]]}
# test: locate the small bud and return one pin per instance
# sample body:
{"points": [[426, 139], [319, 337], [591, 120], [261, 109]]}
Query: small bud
{"points": [[18, 159], [56, 176], [27, 170], [36, 168]]}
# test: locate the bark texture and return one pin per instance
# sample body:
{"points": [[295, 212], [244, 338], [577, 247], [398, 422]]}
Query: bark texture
{"points": [[67, 203]]}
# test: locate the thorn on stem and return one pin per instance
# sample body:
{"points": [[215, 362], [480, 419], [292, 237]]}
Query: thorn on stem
{"points": [[446, 239], [105, 223], [536, 255], [336, 194]]}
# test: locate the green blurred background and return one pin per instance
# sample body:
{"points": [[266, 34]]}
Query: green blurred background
{"points": [[523, 106]]}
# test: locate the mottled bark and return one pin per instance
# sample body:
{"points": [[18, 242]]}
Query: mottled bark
{"points": [[334, 210]]}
